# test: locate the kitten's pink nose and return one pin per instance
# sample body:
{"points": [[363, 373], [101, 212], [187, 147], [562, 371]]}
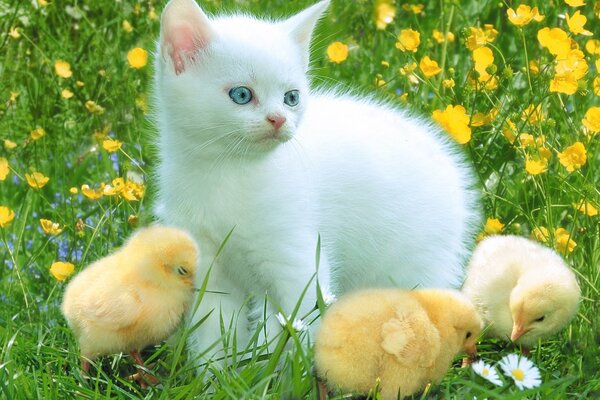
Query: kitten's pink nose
{"points": [[276, 120]]}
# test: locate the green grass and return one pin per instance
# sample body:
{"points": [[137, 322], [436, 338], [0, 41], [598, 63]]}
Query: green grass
{"points": [[38, 355]]}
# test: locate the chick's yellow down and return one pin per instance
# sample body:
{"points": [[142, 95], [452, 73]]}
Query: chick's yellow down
{"points": [[404, 338], [135, 297], [523, 290]]}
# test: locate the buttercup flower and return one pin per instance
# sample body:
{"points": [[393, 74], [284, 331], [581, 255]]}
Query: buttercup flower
{"points": [[576, 23], [51, 228], [429, 67], [487, 372], [541, 233], [91, 193], [524, 15], [337, 52], [14, 33], [455, 120], [93, 107], [480, 37], [9, 144], [573, 157], [126, 25], [555, 40], [111, 145], [533, 114], [137, 58], [591, 120], [563, 241], [575, 3], [36, 180], [522, 371], [536, 167], [61, 270], [493, 226], [413, 8], [384, 13], [66, 93], [592, 46], [4, 170], [408, 40], [6, 215], [440, 38], [483, 58], [37, 133], [63, 69], [585, 207], [448, 83]]}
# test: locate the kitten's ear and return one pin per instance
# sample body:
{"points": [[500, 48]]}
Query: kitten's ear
{"points": [[301, 25], [184, 29]]}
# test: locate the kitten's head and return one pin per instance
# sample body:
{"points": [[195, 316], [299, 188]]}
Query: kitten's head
{"points": [[231, 84]]}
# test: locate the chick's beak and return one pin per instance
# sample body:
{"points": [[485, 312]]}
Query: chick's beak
{"points": [[518, 331], [471, 350]]}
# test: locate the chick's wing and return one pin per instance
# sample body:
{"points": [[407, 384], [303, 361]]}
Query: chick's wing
{"points": [[114, 308], [412, 338]]}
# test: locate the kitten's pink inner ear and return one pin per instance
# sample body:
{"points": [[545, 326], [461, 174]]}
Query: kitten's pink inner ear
{"points": [[185, 29]]}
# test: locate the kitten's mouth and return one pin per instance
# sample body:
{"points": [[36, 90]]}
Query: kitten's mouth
{"points": [[273, 137]]}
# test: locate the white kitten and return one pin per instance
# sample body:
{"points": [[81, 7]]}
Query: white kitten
{"points": [[245, 144]]}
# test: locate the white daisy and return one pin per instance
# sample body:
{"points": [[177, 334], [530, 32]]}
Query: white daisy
{"points": [[524, 372], [298, 325], [328, 297], [487, 371]]}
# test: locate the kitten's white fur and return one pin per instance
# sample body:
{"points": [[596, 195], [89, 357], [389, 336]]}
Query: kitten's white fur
{"points": [[390, 197]]}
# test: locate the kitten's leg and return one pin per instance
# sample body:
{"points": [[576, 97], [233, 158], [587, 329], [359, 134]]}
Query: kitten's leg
{"points": [[223, 301]]}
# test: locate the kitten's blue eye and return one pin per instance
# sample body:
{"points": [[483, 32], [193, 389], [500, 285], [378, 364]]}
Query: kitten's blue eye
{"points": [[240, 95], [292, 98]]}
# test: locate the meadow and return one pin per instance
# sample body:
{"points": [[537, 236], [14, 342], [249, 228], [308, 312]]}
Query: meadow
{"points": [[520, 92]]}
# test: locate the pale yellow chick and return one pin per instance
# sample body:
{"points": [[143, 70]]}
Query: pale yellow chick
{"points": [[404, 338], [135, 297], [523, 290]]}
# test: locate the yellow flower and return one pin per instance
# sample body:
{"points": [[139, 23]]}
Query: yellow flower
{"points": [[555, 40], [534, 67], [455, 120], [408, 40], [9, 144], [586, 208], [448, 83], [414, 8], [137, 58], [573, 157], [576, 23], [4, 170], [573, 63], [80, 84], [73, 190], [91, 193], [42, 3], [480, 37], [483, 57], [385, 12], [14, 33], [526, 139], [536, 167], [13, 97], [591, 120], [533, 114], [592, 46], [37, 180], [541, 233], [379, 81], [575, 3], [111, 145], [493, 226], [337, 52], [440, 38], [429, 67], [51, 228], [563, 241], [63, 69], [93, 107], [6, 215], [565, 83], [523, 15], [127, 26], [509, 130], [61, 270], [66, 93], [37, 133]]}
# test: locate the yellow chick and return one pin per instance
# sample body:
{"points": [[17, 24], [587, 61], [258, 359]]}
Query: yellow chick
{"points": [[133, 298], [523, 290], [406, 339]]}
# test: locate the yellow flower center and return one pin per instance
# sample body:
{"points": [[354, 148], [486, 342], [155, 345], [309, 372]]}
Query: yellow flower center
{"points": [[518, 374], [485, 372]]}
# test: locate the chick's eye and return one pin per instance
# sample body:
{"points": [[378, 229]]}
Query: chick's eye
{"points": [[468, 335], [540, 319], [240, 95], [292, 98], [182, 271]]}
